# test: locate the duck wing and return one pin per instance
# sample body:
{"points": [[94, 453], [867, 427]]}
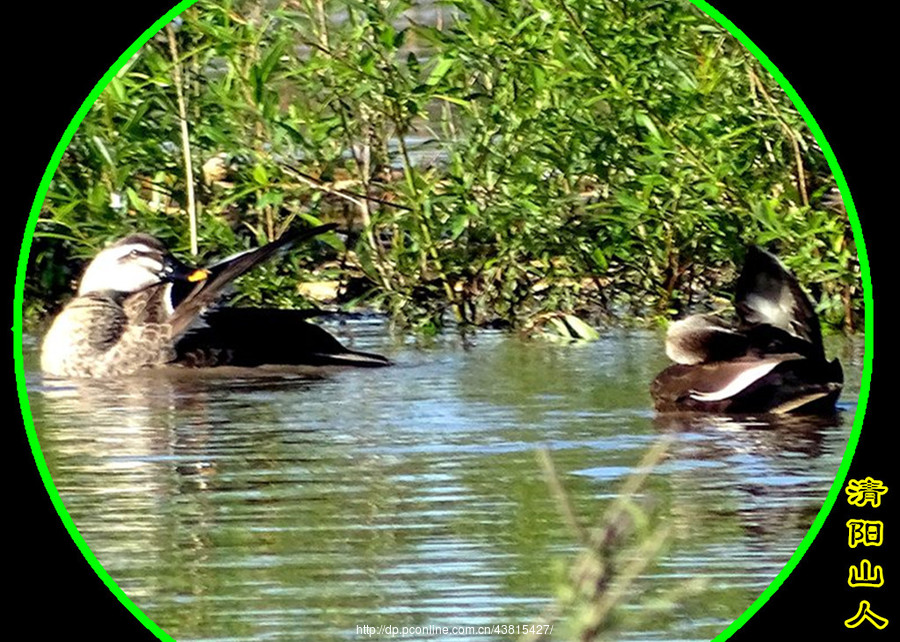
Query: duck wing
{"points": [[250, 337], [98, 317], [777, 383], [710, 383], [768, 294], [221, 274]]}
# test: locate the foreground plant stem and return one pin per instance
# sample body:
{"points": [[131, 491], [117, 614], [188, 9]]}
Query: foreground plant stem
{"points": [[597, 582]]}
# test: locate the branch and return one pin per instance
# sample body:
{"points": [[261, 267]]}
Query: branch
{"points": [[185, 139]]}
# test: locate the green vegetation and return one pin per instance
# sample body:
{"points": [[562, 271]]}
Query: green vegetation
{"points": [[511, 163], [612, 555]]}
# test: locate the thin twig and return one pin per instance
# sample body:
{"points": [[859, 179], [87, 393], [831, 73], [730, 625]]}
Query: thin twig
{"points": [[185, 139], [354, 197], [562, 497], [595, 581], [363, 171], [637, 478], [795, 143], [644, 555]]}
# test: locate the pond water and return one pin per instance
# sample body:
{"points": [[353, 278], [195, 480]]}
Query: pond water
{"points": [[280, 506]]}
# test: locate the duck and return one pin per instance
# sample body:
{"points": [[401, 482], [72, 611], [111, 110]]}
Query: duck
{"points": [[137, 307], [772, 360]]}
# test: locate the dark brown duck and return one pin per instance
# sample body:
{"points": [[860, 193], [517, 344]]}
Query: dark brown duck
{"points": [[771, 361], [138, 307]]}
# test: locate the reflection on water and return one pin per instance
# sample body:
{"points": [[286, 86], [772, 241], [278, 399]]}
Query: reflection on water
{"points": [[289, 505]]}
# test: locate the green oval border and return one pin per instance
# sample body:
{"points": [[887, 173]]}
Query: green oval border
{"points": [[180, 7]]}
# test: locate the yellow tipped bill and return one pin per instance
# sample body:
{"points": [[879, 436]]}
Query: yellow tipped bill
{"points": [[198, 275]]}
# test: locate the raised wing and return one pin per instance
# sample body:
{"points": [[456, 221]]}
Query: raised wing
{"points": [[224, 272], [768, 293]]}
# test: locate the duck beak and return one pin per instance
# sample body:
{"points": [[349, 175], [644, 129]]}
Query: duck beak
{"points": [[198, 275], [175, 270]]}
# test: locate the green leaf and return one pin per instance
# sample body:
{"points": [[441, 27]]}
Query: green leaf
{"points": [[646, 122], [386, 37], [600, 259], [270, 61], [561, 328], [260, 175], [270, 198], [452, 99], [581, 329], [457, 224], [104, 152], [439, 70]]}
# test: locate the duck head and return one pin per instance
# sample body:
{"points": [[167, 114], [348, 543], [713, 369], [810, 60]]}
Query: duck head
{"points": [[701, 338], [134, 263]]}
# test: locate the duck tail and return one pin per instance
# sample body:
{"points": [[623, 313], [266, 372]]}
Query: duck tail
{"points": [[351, 358]]}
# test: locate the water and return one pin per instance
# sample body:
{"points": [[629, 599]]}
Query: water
{"points": [[285, 506]]}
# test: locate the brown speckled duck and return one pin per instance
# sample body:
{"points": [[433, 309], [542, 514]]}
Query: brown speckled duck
{"points": [[138, 307], [772, 361]]}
